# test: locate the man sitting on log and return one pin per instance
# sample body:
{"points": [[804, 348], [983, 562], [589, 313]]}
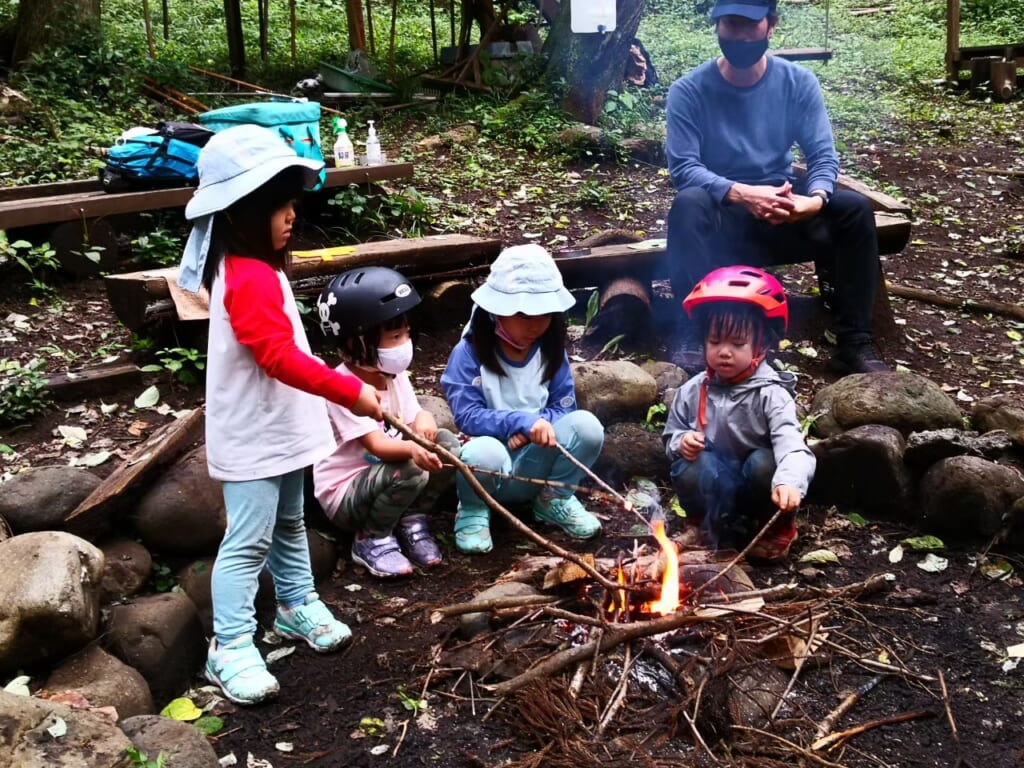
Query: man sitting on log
{"points": [[732, 123]]}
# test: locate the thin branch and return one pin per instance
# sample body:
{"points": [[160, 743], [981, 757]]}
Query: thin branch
{"points": [[833, 740]]}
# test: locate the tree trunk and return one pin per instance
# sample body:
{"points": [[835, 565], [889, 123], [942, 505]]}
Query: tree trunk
{"points": [[49, 23], [236, 40], [591, 64]]}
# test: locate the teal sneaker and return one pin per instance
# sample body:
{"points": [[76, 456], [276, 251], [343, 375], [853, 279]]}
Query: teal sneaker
{"points": [[473, 530], [568, 514], [240, 672], [314, 624]]}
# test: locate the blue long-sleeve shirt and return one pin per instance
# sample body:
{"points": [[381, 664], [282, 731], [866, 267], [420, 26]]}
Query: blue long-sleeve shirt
{"points": [[719, 134], [484, 403]]}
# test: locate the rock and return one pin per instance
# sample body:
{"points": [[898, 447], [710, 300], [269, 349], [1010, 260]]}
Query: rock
{"points": [[666, 375], [438, 408], [863, 469], [181, 744], [966, 498], [460, 134], [159, 635], [92, 740], [696, 576], [127, 566], [323, 554], [925, 448], [49, 597], [614, 390], [183, 512], [630, 451], [904, 401], [194, 580], [472, 624], [104, 680], [745, 696], [1000, 412], [39, 499], [445, 301]]}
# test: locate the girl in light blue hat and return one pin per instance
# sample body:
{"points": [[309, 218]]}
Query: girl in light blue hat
{"points": [[509, 386], [266, 419]]}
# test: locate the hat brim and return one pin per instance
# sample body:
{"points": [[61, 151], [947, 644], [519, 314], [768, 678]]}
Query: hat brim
{"points": [[508, 304], [746, 10], [223, 194]]}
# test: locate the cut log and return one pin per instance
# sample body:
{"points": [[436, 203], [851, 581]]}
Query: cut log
{"points": [[978, 306], [141, 298], [93, 382], [160, 448]]}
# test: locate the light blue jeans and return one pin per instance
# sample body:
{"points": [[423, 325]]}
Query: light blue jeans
{"points": [[730, 499], [265, 527], [579, 432]]}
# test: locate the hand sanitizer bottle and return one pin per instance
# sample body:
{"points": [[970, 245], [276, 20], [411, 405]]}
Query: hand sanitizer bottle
{"points": [[344, 155], [372, 145]]}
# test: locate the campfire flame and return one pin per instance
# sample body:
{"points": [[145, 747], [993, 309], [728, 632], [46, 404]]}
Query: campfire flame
{"points": [[669, 600]]}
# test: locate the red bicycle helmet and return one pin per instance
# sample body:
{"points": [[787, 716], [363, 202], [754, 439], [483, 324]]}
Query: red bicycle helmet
{"points": [[748, 285]]}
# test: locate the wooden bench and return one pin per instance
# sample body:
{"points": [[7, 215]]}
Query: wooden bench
{"points": [[76, 212]]}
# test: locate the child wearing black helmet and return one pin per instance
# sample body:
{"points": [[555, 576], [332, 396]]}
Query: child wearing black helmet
{"points": [[376, 484], [732, 434]]}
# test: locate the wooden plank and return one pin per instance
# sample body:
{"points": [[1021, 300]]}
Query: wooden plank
{"points": [[32, 211], [160, 448], [133, 295], [879, 200], [30, 191], [96, 381]]}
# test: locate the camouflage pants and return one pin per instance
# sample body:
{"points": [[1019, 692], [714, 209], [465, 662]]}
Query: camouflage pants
{"points": [[382, 494]]}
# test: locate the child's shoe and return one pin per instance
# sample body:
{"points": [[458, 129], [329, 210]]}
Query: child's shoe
{"points": [[240, 672], [473, 530], [381, 557], [568, 514], [313, 623], [774, 546], [417, 543]]}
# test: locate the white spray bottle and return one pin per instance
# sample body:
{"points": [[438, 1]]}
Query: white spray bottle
{"points": [[344, 155], [372, 145]]}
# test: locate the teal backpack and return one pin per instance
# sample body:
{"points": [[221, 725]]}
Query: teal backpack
{"points": [[297, 122]]}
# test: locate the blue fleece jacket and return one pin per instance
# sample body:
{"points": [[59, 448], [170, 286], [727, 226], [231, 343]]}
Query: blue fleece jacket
{"points": [[720, 134]]}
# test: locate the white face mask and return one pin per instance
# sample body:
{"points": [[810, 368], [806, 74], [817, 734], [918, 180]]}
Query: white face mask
{"points": [[395, 360]]}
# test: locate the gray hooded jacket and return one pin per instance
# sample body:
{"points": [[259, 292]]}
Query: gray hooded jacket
{"points": [[758, 412]]}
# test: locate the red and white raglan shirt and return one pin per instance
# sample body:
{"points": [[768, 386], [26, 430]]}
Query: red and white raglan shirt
{"points": [[265, 392]]}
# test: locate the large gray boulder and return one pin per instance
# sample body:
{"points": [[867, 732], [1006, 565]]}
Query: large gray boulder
{"points": [[966, 498], [1000, 412], [629, 451], [91, 740], [38, 499], [181, 744], [49, 597], [904, 401], [126, 568], [614, 390], [183, 513], [104, 681]]}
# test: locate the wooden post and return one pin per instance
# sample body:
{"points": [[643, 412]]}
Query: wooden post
{"points": [[236, 38], [356, 29], [953, 40], [149, 29], [167, 20], [433, 29], [1004, 78]]}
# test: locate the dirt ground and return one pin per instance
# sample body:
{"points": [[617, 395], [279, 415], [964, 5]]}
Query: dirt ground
{"points": [[966, 243]]}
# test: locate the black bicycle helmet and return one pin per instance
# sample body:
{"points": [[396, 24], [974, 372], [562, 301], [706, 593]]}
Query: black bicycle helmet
{"points": [[364, 298]]}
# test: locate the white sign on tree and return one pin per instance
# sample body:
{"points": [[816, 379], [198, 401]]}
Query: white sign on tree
{"points": [[592, 16]]}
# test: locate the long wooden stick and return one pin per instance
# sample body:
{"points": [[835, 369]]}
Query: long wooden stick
{"points": [[536, 481], [491, 502], [977, 306], [826, 725], [703, 587], [833, 740], [482, 606], [593, 476]]}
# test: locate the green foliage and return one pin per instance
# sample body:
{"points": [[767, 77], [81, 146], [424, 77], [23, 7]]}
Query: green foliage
{"points": [[162, 578], [39, 261], [654, 421], [159, 245], [631, 111], [23, 392], [186, 364], [363, 216], [141, 759]]}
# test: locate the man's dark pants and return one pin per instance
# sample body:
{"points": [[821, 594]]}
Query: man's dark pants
{"points": [[704, 235]]}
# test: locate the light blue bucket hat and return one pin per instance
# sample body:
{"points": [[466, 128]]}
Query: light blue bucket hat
{"points": [[234, 163], [524, 278]]}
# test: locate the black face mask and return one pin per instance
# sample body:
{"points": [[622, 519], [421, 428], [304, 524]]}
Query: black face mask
{"points": [[743, 54]]}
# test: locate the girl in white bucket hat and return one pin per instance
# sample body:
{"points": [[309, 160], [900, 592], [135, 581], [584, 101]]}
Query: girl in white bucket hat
{"points": [[509, 386], [266, 419]]}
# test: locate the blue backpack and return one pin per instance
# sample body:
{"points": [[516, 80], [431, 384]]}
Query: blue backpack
{"points": [[297, 122], [155, 160]]}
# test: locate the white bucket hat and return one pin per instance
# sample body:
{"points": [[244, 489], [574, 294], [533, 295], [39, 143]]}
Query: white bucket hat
{"points": [[234, 163], [524, 278]]}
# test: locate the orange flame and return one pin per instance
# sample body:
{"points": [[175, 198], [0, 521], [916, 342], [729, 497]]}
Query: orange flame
{"points": [[669, 600]]}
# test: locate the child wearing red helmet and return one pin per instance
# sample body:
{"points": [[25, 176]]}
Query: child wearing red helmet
{"points": [[732, 435]]}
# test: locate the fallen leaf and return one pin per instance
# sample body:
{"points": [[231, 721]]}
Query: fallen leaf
{"points": [[280, 653], [996, 570], [896, 554], [924, 543], [1015, 651], [257, 762], [181, 709], [149, 397], [380, 749], [209, 725], [74, 437], [58, 729], [820, 556], [284, 746], [19, 686], [933, 563]]}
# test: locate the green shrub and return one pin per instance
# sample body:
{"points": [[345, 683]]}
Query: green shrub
{"points": [[23, 392]]}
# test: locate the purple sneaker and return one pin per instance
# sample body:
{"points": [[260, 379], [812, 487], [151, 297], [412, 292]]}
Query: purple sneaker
{"points": [[381, 557], [417, 543]]}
